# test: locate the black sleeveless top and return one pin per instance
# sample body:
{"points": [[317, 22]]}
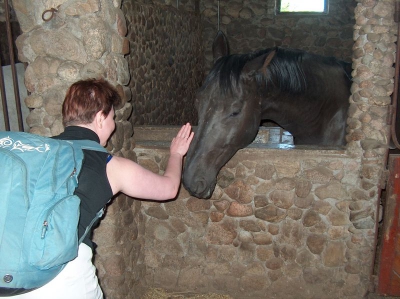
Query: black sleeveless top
{"points": [[93, 189]]}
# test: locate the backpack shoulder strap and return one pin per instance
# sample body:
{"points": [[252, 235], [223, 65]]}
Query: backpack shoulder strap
{"points": [[79, 145], [87, 144]]}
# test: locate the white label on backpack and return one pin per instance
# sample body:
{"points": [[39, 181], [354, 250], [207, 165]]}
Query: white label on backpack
{"points": [[18, 145]]}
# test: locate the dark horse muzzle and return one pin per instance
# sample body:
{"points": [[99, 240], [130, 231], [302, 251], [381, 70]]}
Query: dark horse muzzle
{"points": [[199, 183]]}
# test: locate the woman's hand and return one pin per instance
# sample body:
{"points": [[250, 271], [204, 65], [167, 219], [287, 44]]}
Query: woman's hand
{"points": [[132, 179], [180, 144]]}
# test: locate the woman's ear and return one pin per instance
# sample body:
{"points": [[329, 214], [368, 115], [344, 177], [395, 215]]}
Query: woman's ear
{"points": [[99, 119]]}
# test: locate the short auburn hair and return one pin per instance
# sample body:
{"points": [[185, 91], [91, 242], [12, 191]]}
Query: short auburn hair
{"points": [[87, 97]]}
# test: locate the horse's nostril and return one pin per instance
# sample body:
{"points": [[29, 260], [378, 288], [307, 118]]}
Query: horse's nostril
{"points": [[201, 185]]}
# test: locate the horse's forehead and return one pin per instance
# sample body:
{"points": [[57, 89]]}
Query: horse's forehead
{"points": [[216, 101], [214, 94]]}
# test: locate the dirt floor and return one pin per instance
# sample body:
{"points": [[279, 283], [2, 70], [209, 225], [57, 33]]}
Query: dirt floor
{"points": [[162, 294], [375, 296]]}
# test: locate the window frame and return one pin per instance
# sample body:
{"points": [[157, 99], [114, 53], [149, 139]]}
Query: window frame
{"points": [[296, 13]]}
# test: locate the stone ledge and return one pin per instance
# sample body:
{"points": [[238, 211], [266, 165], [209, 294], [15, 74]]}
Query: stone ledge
{"points": [[267, 138]]}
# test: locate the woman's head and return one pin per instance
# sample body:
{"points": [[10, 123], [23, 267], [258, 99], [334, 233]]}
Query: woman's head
{"points": [[85, 98]]}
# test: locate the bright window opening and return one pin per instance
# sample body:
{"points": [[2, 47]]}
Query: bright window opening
{"points": [[302, 7]]}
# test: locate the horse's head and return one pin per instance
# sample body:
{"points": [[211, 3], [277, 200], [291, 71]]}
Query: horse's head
{"points": [[228, 109]]}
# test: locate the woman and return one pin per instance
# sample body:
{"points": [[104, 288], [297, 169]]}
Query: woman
{"points": [[88, 113]]}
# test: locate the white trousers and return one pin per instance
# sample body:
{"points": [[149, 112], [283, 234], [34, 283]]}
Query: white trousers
{"points": [[77, 280]]}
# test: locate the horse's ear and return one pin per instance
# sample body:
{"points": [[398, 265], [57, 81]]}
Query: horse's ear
{"points": [[267, 61], [259, 64], [220, 46]]}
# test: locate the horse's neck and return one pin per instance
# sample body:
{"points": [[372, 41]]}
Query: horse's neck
{"points": [[294, 114], [309, 124], [285, 110]]}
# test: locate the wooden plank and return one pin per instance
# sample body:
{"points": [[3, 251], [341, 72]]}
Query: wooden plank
{"points": [[389, 267]]}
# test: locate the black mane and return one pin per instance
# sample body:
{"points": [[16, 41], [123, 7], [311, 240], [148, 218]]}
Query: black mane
{"points": [[286, 71]]}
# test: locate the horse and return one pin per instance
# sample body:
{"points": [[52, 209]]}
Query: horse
{"points": [[304, 93]]}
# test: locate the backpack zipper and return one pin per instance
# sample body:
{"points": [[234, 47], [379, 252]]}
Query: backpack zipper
{"points": [[44, 229]]}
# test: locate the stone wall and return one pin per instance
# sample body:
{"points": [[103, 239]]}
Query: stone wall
{"points": [[299, 223], [280, 222], [165, 62], [68, 47], [254, 25], [84, 39], [249, 25], [184, 5]]}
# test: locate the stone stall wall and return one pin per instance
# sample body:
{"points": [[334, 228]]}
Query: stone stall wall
{"points": [[280, 224], [84, 39], [165, 62], [253, 25], [185, 5], [298, 223]]}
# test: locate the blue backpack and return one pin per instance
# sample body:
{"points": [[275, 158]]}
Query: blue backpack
{"points": [[39, 212]]}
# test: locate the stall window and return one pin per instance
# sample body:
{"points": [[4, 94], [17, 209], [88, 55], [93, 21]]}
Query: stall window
{"points": [[302, 7]]}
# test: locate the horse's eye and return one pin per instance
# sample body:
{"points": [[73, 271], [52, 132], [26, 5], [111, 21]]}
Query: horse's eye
{"points": [[236, 113]]}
